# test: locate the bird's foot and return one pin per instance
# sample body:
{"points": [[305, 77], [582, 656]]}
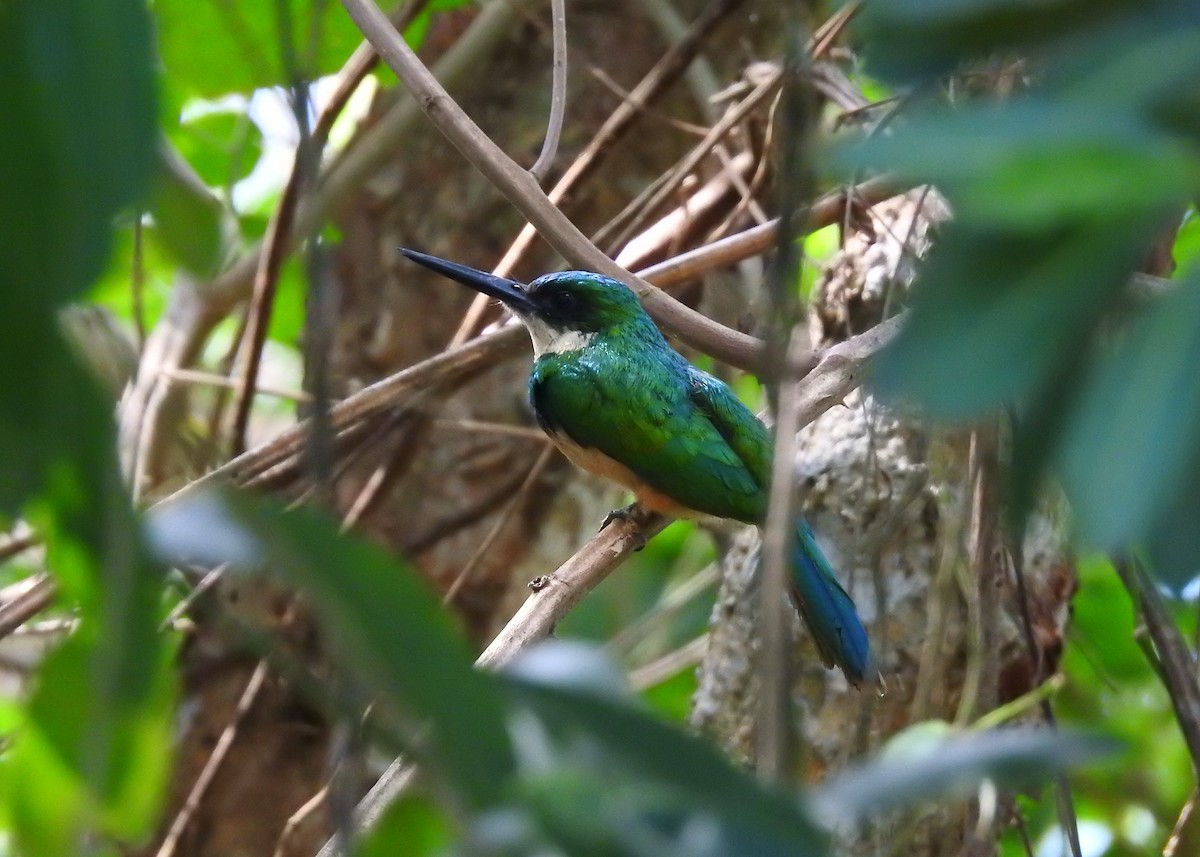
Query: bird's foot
{"points": [[635, 515]]}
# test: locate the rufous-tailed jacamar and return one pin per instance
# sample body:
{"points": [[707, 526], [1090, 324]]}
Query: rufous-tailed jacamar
{"points": [[620, 402]]}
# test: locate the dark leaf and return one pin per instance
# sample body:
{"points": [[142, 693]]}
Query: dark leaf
{"points": [[1137, 427], [189, 221], [917, 40], [996, 312], [379, 614], [660, 780], [951, 766]]}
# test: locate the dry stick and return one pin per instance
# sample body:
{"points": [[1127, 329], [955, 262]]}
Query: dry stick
{"points": [[555, 594], [501, 520], [734, 116], [979, 690], [262, 299], [1177, 660], [819, 45], [670, 664], [659, 236], [297, 818], [773, 726], [1182, 825], [979, 696], [759, 239], [731, 346], [212, 379], [558, 92], [1064, 803], [34, 594], [361, 63], [213, 765], [15, 545], [663, 74]]}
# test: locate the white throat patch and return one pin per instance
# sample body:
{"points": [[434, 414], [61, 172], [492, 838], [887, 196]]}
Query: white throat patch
{"points": [[553, 340]]}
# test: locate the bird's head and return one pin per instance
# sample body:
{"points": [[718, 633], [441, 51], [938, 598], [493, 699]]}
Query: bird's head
{"points": [[565, 311]]}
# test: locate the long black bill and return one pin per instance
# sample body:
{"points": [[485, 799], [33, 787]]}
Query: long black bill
{"points": [[510, 292]]}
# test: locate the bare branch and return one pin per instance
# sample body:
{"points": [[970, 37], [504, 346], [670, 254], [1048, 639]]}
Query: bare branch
{"points": [[558, 92], [519, 187]]}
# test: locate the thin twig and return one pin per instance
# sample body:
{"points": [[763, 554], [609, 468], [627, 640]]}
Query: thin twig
{"points": [[819, 45], [1182, 825], [667, 606], [213, 765], [734, 116], [556, 593], [14, 545], [212, 379], [1177, 660], [502, 519], [1064, 803], [658, 238], [25, 600], [774, 729], [297, 818], [262, 301], [558, 92], [670, 664], [137, 283]]}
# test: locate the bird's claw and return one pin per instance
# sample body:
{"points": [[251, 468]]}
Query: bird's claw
{"points": [[634, 514]]}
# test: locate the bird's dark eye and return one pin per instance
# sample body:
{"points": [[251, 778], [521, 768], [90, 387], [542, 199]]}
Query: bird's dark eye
{"points": [[562, 302]]}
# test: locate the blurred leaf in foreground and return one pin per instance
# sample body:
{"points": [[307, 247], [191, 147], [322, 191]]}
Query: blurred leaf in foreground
{"points": [[940, 765]]}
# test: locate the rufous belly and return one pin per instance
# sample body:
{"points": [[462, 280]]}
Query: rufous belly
{"points": [[595, 461]]}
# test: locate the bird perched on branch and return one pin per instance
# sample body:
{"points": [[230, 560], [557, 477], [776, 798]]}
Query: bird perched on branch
{"points": [[620, 402]]}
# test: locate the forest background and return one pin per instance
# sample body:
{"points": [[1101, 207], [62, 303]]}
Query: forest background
{"points": [[283, 544]]}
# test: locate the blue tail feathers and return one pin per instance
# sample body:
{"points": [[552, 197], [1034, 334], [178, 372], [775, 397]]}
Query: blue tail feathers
{"points": [[826, 608]]}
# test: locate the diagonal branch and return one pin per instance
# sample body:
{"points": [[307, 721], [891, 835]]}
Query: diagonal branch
{"points": [[522, 191]]}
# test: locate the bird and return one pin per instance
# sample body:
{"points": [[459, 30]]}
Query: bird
{"points": [[618, 401]]}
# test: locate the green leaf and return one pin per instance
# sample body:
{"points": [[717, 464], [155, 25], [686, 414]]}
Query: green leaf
{"points": [[76, 144], [916, 40], [92, 756], [1038, 161], [600, 759], [221, 143], [412, 826], [381, 616], [75, 147], [1172, 546], [96, 753], [213, 48], [1138, 425], [930, 769], [996, 311], [189, 220]]}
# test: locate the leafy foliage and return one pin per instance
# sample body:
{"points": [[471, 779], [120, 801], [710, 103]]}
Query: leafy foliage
{"points": [[555, 749], [75, 150], [1057, 192]]}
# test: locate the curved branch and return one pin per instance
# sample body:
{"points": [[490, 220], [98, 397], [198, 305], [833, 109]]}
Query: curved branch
{"points": [[558, 92]]}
